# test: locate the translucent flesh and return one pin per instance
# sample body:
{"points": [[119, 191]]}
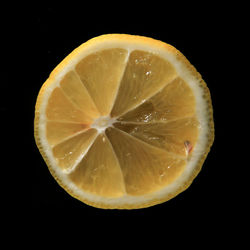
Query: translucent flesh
{"points": [[175, 101], [178, 137], [78, 94], [58, 131], [145, 168], [145, 74], [68, 151], [156, 126], [99, 172], [100, 73], [60, 108]]}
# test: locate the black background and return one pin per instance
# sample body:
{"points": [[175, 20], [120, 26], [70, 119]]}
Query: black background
{"points": [[203, 33]]}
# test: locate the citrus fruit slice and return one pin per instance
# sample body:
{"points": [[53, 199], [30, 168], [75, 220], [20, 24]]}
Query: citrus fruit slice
{"points": [[124, 122]]}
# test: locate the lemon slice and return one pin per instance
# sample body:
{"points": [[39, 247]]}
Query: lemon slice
{"points": [[124, 122]]}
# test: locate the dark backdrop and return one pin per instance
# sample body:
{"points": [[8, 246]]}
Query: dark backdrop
{"points": [[203, 34]]}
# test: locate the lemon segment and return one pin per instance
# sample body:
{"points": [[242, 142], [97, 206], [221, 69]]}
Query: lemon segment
{"points": [[100, 73], [178, 137], [60, 108], [99, 172], [145, 168], [74, 89], [69, 152], [176, 100], [56, 132], [145, 74]]}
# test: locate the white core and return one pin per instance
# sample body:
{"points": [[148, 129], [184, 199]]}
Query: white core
{"points": [[102, 123]]}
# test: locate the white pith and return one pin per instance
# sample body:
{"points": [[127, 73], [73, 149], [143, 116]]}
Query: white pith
{"points": [[103, 122]]}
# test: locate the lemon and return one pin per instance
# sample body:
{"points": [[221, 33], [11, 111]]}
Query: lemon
{"points": [[124, 122]]}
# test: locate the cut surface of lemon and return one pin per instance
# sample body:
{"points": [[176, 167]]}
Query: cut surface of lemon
{"points": [[124, 122]]}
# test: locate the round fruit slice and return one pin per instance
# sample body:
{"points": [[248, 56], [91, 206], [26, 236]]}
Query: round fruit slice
{"points": [[124, 122]]}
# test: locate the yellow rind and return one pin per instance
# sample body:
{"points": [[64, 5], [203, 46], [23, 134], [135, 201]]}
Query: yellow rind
{"points": [[134, 39]]}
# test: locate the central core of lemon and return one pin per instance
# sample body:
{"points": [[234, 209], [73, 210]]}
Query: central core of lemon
{"points": [[103, 122]]}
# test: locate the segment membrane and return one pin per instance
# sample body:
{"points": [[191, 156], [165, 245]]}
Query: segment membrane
{"points": [[60, 108], [99, 171], [100, 73], [74, 89], [172, 136], [68, 153], [58, 131], [144, 75], [175, 101], [145, 168]]}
